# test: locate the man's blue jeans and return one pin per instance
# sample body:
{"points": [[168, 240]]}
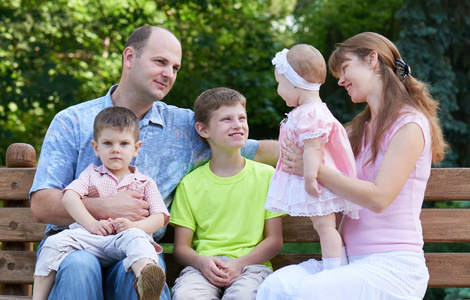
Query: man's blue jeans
{"points": [[81, 277]]}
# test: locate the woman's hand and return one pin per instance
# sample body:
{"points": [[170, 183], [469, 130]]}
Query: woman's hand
{"points": [[292, 158]]}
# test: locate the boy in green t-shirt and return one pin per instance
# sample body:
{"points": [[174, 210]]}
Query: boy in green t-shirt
{"points": [[222, 232]]}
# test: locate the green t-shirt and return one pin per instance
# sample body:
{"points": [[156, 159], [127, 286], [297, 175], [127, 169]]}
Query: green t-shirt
{"points": [[225, 213]]}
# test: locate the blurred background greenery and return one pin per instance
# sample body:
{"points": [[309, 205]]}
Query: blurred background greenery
{"points": [[57, 53], [54, 54]]}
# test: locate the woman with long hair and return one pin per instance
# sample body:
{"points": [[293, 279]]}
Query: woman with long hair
{"points": [[395, 140]]}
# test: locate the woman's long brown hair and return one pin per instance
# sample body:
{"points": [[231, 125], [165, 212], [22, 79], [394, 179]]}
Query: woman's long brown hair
{"points": [[396, 94]]}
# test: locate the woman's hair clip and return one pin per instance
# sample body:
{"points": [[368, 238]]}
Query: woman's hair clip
{"points": [[402, 68]]}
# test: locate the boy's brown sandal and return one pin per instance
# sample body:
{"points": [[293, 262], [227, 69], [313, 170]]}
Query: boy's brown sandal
{"points": [[149, 285]]}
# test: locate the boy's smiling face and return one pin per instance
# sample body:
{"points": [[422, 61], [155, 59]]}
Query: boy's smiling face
{"points": [[227, 128]]}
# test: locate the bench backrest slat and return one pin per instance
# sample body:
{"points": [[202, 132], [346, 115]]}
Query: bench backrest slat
{"points": [[23, 270], [448, 269], [298, 230], [16, 183], [446, 225], [17, 225], [446, 184], [439, 226]]}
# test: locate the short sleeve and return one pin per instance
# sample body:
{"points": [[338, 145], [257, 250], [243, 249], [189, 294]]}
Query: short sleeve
{"points": [[269, 215], [81, 185], [154, 198], [181, 214], [249, 149], [313, 125]]}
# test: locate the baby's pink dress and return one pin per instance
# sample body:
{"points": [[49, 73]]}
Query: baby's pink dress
{"points": [[287, 191]]}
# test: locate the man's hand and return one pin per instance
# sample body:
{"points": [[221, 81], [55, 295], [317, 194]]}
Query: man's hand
{"points": [[292, 157], [127, 204]]}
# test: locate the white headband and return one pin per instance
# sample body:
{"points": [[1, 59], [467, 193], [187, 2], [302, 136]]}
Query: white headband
{"points": [[283, 67]]}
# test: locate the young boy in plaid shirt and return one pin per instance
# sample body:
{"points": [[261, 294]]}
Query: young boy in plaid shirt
{"points": [[116, 142]]}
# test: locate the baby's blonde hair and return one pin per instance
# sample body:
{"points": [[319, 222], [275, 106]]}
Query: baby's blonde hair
{"points": [[308, 62]]}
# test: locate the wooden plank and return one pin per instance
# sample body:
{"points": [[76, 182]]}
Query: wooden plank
{"points": [[17, 266], [448, 269], [448, 184], [17, 225], [12, 297], [16, 183], [444, 183], [298, 230], [439, 226], [282, 260], [446, 225]]}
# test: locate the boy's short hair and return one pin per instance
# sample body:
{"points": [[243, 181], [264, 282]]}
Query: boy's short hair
{"points": [[116, 117], [308, 62], [212, 99]]}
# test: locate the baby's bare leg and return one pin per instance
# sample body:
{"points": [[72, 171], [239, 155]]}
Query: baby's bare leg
{"points": [[43, 285], [330, 240]]}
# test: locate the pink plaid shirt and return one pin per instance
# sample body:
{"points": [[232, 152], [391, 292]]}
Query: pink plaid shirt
{"points": [[97, 182]]}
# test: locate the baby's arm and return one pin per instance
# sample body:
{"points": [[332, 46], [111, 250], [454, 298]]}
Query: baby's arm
{"points": [[75, 207], [211, 267], [150, 224], [313, 152], [270, 246]]}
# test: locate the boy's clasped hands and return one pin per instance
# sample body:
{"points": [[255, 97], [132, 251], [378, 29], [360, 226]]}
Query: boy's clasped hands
{"points": [[218, 272]]}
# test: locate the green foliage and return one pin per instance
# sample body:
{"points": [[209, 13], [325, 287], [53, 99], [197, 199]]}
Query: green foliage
{"points": [[54, 54], [433, 37], [227, 43], [435, 41], [455, 293], [323, 23], [301, 248], [57, 53]]}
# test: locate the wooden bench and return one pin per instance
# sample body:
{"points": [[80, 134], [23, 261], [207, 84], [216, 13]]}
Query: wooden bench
{"points": [[18, 231]]}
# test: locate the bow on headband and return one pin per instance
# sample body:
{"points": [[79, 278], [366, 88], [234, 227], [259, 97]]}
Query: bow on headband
{"points": [[283, 67]]}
